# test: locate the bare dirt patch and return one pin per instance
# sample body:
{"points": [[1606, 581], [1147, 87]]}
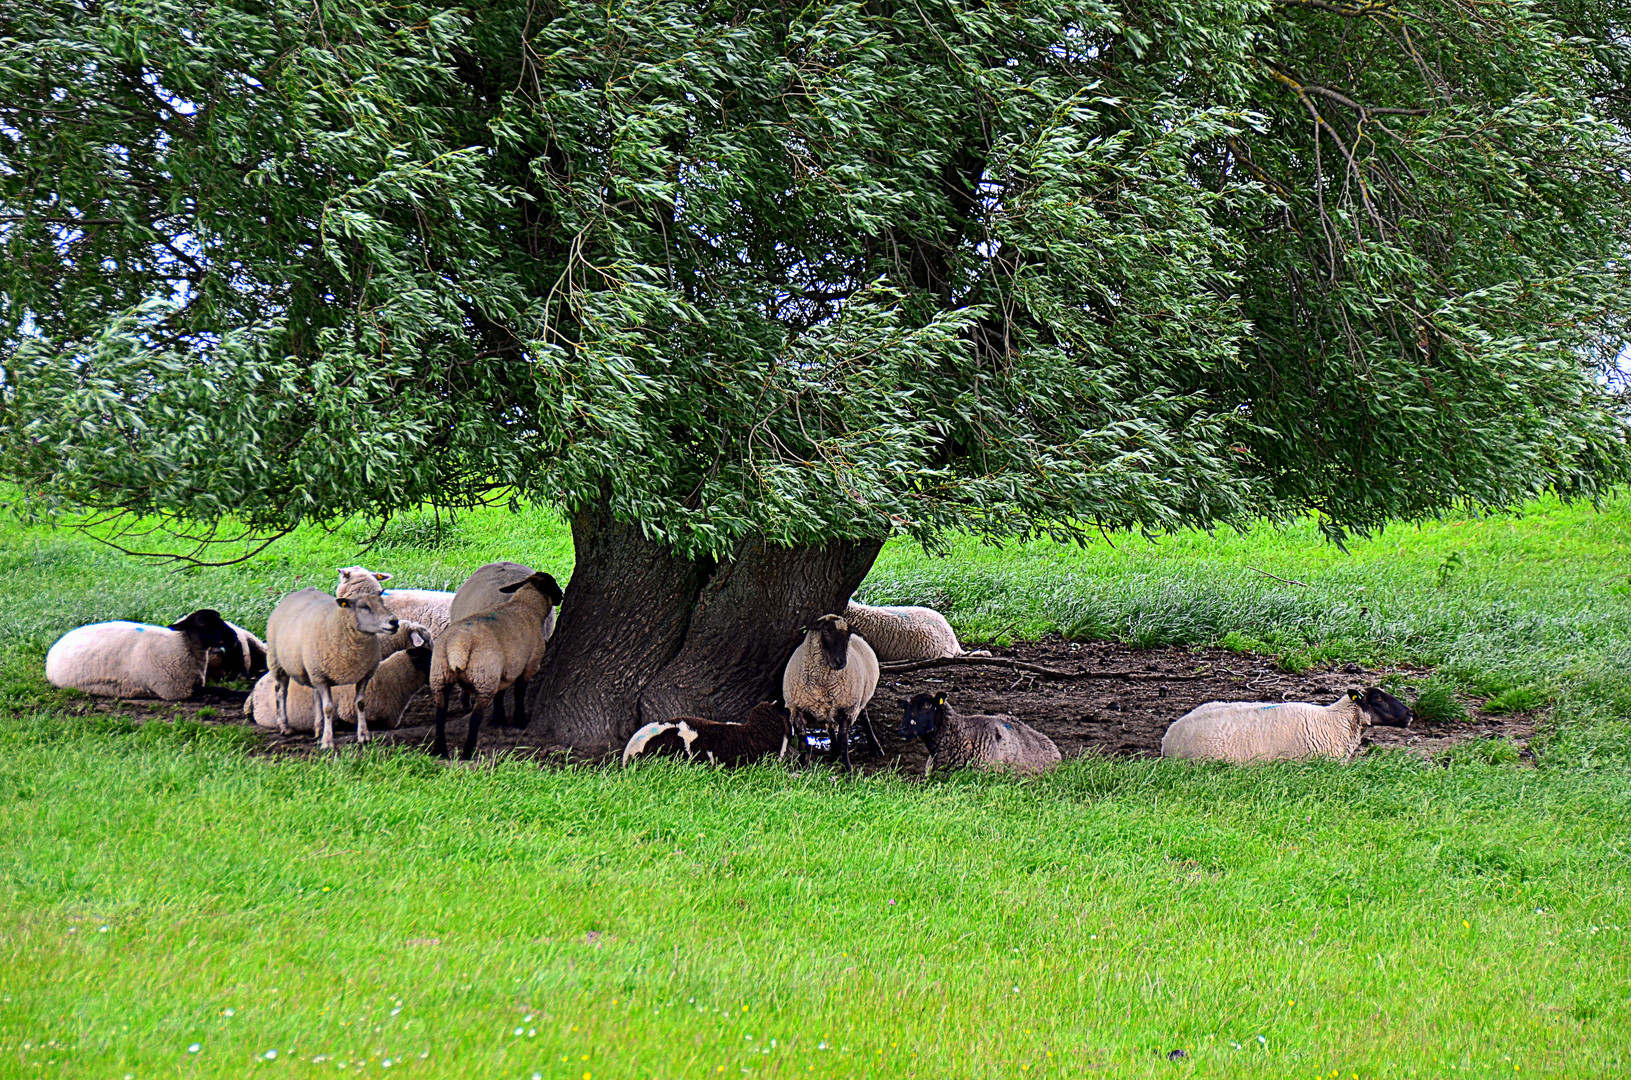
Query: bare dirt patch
{"points": [[1115, 717]]}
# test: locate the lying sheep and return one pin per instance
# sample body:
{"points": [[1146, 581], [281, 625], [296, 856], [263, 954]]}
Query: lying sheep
{"points": [[491, 652], [830, 678], [903, 633], [1242, 731], [323, 641], [245, 662], [397, 679], [431, 607], [136, 660], [957, 741], [483, 591], [762, 734]]}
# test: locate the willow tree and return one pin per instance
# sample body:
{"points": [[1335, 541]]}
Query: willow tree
{"points": [[744, 291]]}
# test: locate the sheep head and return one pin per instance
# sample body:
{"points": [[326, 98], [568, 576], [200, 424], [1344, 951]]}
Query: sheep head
{"points": [[207, 630], [370, 613], [1377, 706], [924, 714], [834, 632], [546, 585], [359, 581]]}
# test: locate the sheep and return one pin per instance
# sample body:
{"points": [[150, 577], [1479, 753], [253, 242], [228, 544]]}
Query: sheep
{"points": [[244, 662], [1242, 731], [432, 607], [391, 644], [482, 591], [323, 641], [493, 651], [904, 633], [830, 678], [763, 733], [136, 660], [956, 740], [397, 679]]}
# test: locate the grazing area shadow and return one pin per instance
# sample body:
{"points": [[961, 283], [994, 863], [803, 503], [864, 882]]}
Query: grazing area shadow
{"points": [[1088, 715]]}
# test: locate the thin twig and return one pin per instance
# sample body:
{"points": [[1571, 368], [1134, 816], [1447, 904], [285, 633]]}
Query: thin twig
{"points": [[900, 667], [1277, 577]]}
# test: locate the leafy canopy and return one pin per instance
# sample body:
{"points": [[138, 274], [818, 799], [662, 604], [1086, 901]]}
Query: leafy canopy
{"points": [[832, 270]]}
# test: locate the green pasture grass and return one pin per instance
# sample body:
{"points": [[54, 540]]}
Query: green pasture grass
{"points": [[165, 890], [1389, 918]]}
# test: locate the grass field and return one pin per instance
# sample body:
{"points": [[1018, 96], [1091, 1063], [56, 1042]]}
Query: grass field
{"points": [[175, 905]]}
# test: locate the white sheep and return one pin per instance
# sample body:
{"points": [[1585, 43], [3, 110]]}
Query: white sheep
{"points": [[323, 641], [959, 740], [136, 660], [830, 678], [483, 591], [903, 633], [397, 679], [490, 652], [360, 581], [432, 607], [1242, 731]]}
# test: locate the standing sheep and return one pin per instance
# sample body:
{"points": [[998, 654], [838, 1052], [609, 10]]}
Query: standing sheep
{"points": [[491, 652], [323, 641], [830, 678], [483, 591], [136, 660], [397, 679], [903, 633], [764, 733], [956, 741], [1242, 731]]}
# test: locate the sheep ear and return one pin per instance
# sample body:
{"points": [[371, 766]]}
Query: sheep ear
{"points": [[417, 640], [940, 698], [342, 601], [383, 577]]}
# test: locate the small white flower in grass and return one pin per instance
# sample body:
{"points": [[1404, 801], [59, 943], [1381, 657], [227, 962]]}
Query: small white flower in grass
{"points": [[226, 1012], [518, 1031], [270, 1055], [194, 1048], [823, 1045], [1016, 989], [532, 1033], [101, 929], [386, 1063], [1262, 1040], [537, 1076]]}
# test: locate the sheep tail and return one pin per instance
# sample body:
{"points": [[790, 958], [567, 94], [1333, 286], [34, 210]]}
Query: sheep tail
{"points": [[458, 656]]}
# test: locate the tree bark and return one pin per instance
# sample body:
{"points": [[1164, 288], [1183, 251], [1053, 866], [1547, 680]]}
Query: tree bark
{"points": [[644, 635]]}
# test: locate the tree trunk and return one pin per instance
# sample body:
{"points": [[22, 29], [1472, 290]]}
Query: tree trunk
{"points": [[644, 635]]}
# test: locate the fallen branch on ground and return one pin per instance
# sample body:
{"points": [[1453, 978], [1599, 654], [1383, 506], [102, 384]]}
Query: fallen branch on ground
{"points": [[900, 667]]}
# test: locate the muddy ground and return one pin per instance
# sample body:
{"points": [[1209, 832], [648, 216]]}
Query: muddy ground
{"points": [[1113, 716]]}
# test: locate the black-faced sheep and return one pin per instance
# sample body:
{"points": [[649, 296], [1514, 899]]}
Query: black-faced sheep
{"points": [[323, 641], [397, 679], [490, 652], [956, 740], [483, 591], [830, 678], [763, 733], [247, 661], [136, 660], [1242, 731]]}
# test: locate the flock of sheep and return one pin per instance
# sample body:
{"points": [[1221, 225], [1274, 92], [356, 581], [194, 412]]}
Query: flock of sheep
{"points": [[363, 652]]}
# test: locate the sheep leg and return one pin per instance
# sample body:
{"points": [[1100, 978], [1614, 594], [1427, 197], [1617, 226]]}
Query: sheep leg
{"points": [[363, 734], [483, 702], [519, 690], [323, 712], [498, 709], [439, 747], [280, 679], [842, 736], [801, 742], [871, 736]]}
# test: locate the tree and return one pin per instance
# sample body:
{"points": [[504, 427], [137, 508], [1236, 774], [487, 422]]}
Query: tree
{"points": [[745, 291]]}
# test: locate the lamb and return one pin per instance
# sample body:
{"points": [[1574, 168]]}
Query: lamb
{"points": [[904, 633], [1242, 731], [956, 740], [764, 733], [493, 651], [136, 660], [830, 678], [391, 644], [481, 592], [323, 641], [244, 662], [397, 679]]}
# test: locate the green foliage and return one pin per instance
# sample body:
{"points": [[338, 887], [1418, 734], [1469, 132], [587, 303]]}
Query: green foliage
{"points": [[1437, 702], [834, 270]]}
